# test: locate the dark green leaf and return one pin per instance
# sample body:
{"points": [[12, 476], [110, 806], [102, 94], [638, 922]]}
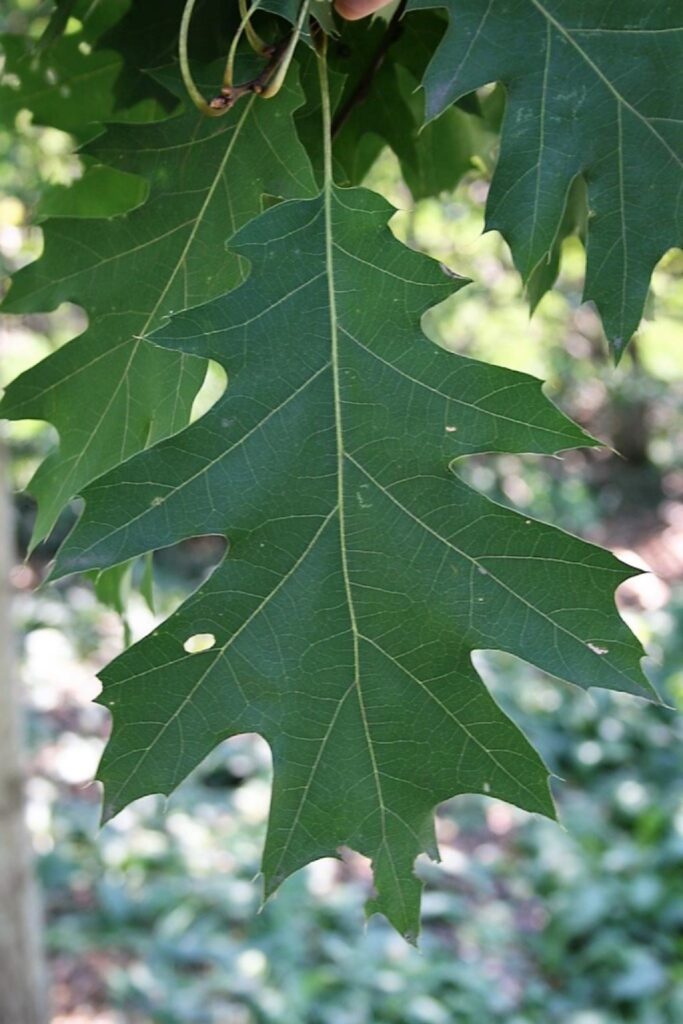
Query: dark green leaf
{"points": [[594, 91]]}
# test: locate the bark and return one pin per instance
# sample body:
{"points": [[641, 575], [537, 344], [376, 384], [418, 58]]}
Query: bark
{"points": [[22, 975]]}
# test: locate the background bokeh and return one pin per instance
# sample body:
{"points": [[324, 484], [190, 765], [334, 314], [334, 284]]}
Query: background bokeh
{"points": [[155, 919]]}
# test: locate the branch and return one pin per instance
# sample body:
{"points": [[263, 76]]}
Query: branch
{"points": [[360, 93]]}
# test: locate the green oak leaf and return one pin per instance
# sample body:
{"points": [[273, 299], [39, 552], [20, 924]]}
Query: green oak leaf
{"points": [[593, 91], [109, 392], [441, 152], [362, 571]]}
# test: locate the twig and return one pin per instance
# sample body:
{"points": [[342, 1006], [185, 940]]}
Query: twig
{"points": [[270, 79], [230, 94], [362, 89], [56, 25]]}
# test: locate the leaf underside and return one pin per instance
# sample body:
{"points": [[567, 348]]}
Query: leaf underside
{"points": [[593, 91], [362, 572]]}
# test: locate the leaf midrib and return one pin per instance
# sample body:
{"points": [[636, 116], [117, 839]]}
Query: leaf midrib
{"points": [[328, 198]]}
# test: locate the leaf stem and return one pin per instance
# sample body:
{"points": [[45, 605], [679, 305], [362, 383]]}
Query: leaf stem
{"points": [[328, 200], [188, 81], [275, 84], [326, 112], [253, 38], [244, 26]]}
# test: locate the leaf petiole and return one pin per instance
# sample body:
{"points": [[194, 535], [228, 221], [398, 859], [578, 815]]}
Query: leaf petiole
{"points": [[255, 42], [253, 38], [185, 71], [275, 83]]}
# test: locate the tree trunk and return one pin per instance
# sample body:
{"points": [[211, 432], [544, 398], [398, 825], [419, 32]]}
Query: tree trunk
{"points": [[22, 977]]}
